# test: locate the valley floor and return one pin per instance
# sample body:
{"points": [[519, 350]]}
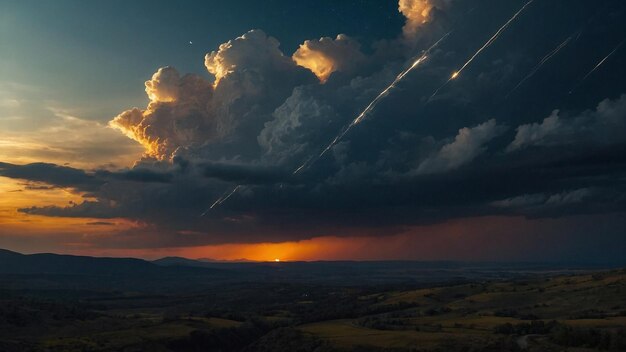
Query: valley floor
{"points": [[584, 312]]}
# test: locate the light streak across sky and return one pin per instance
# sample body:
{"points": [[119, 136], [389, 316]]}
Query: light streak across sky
{"points": [[222, 199], [540, 64], [597, 66], [491, 40], [416, 63]]}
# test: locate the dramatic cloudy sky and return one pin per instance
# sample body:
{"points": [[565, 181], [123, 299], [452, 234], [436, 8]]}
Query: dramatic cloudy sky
{"points": [[148, 128]]}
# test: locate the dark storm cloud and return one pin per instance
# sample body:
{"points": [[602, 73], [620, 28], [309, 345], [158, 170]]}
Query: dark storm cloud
{"points": [[469, 152], [136, 175], [87, 208], [55, 175], [101, 223], [246, 173], [604, 125], [85, 181]]}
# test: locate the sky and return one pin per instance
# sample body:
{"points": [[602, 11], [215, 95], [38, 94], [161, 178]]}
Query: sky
{"points": [[315, 130]]}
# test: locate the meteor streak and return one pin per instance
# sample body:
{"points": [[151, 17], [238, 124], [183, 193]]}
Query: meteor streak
{"points": [[491, 40], [230, 194], [372, 104], [541, 63], [597, 66], [354, 122], [221, 199]]}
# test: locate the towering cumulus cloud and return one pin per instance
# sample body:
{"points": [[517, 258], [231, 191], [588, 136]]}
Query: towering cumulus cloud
{"points": [[327, 55], [249, 71], [251, 78], [177, 115], [253, 52], [418, 12]]}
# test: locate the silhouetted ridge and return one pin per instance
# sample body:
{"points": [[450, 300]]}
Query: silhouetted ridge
{"points": [[46, 263]]}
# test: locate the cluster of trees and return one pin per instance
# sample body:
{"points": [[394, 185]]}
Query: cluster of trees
{"points": [[339, 306], [591, 314], [380, 322], [437, 311], [288, 340], [396, 314], [223, 339], [535, 327], [564, 335], [512, 313], [613, 340], [377, 309], [27, 312]]}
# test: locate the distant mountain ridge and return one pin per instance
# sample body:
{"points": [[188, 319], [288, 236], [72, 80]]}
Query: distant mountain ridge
{"points": [[239, 260], [184, 271], [48, 263], [201, 262]]}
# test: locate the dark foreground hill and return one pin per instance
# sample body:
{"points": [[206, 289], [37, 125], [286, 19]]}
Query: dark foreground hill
{"points": [[46, 263], [58, 272]]}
